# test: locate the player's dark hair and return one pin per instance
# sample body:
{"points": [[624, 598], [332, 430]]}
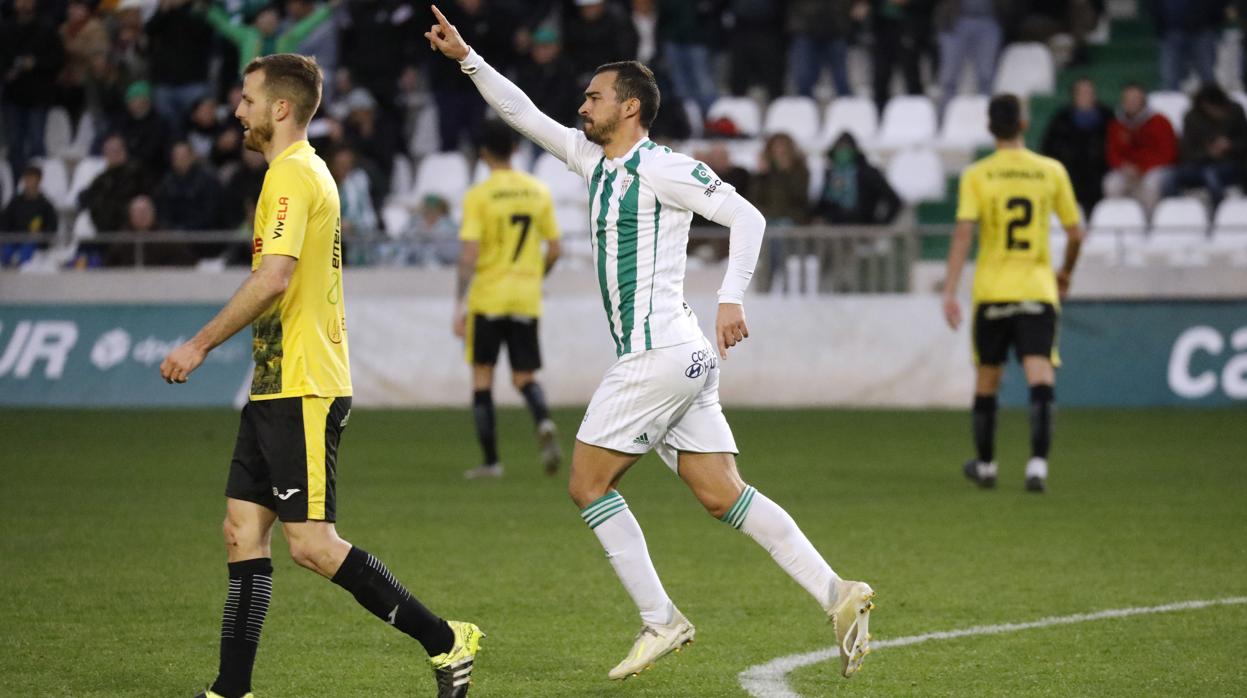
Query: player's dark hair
{"points": [[294, 78], [497, 139], [1004, 117], [633, 79]]}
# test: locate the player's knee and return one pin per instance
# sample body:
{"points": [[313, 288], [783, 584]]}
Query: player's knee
{"points": [[521, 380], [716, 505], [239, 536], [308, 555], [585, 493]]}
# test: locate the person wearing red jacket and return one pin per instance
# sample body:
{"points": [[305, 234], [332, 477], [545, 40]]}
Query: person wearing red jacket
{"points": [[1140, 149]]}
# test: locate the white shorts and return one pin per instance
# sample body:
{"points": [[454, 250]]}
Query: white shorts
{"points": [[666, 399]]}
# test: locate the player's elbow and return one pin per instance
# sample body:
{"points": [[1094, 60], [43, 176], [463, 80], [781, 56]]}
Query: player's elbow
{"points": [[1076, 233]]}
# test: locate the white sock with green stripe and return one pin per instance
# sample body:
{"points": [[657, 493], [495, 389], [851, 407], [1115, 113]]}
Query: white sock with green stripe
{"points": [[773, 529], [621, 536]]}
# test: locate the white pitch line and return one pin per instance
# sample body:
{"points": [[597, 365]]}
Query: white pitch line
{"points": [[769, 680]]}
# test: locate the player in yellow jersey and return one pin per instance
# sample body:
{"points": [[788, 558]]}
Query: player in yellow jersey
{"points": [[506, 219], [285, 458], [1012, 196]]}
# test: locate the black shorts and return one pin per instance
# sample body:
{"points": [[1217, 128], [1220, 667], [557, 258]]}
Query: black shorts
{"points": [[486, 335], [1030, 327], [286, 456]]}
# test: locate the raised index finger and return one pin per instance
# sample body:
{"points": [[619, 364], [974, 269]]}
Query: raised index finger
{"points": [[441, 18]]}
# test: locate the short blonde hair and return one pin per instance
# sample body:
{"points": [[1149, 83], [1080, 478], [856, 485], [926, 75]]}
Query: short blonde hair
{"points": [[292, 77]]}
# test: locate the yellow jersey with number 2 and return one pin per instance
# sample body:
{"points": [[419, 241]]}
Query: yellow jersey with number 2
{"points": [[1012, 195], [510, 213]]}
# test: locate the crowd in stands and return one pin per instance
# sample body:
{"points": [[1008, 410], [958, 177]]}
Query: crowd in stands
{"points": [[150, 86]]}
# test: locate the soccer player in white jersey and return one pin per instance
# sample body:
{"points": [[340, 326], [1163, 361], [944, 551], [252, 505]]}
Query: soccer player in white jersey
{"points": [[663, 392]]}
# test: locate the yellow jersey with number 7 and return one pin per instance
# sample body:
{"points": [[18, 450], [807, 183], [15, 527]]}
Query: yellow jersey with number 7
{"points": [[1012, 195], [509, 214]]}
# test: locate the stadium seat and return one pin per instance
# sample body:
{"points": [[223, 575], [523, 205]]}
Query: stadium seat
{"points": [[696, 122], [742, 111], [917, 175], [402, 176], [1229, 233], [1116, 224], [817, 165], [796, 116], [1241, 98], [84, 137], [395, 218], [857, 115], [1179, 227], [84, 227], [908, 120], [566, 187], [55, 184], [746, 153], [965, 123], [1026, 69], [6, 182], [87, 170], [444, 174], [1173, 105], [58, 134]]}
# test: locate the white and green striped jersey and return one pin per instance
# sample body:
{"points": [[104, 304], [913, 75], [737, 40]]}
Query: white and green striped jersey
{"points": [[641, 206]]}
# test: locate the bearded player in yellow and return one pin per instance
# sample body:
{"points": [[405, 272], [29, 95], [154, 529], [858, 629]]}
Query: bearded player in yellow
{"points": [[1012, 196], [285, 458]]}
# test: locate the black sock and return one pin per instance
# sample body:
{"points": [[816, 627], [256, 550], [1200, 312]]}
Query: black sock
{"points": [[536, 399], [376, 589], [483, 412], [985, 427], [1041, 420], [250, 590]]}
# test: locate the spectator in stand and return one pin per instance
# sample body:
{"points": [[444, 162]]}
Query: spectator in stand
{"points": [[30, 59], [141, 218], [84, 38], [320, 43], [359, 218], [460, 109], [1041, 20], [203, 128], [28, 212], [900, 29], [376, 44], [1076, 136], [1141, 148], [757, 33], [597, 33], [547, 78], [779, 190], [109, 194], [146, 133], [242, 190], [265, 36], [686, 32], [854, 191], [430, 239], [1213, 147], [180, 48], [1188, 38], [373, 139], [969, 31], [645, 22], [189, 196], [819, 32]]}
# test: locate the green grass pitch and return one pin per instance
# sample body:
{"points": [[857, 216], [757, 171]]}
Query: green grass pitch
{"points": [[113, 572]]}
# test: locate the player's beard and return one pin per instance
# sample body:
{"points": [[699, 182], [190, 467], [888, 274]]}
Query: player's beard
{"points": [[597, 132], [259, 134]]}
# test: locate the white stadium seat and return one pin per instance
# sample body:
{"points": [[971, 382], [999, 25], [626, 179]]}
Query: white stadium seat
{"points": [[566, 187], [395, 218], [965, 123], [58, 134], [1026, 69], [742, 111], [1231, 216], [746, 153], [1172, 105], [1229, 233], [87, 170], [1179, 227], [1115, 224], [55, 183], [908, 120], [444, 174], [84, 227], [917, 175], [796, 116], [6, 182], [857, 115], [84, 137], [1241, 98], [402, 176], [817, 166]]}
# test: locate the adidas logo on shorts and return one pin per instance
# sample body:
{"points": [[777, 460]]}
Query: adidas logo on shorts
{"points": [[643, 440]]}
